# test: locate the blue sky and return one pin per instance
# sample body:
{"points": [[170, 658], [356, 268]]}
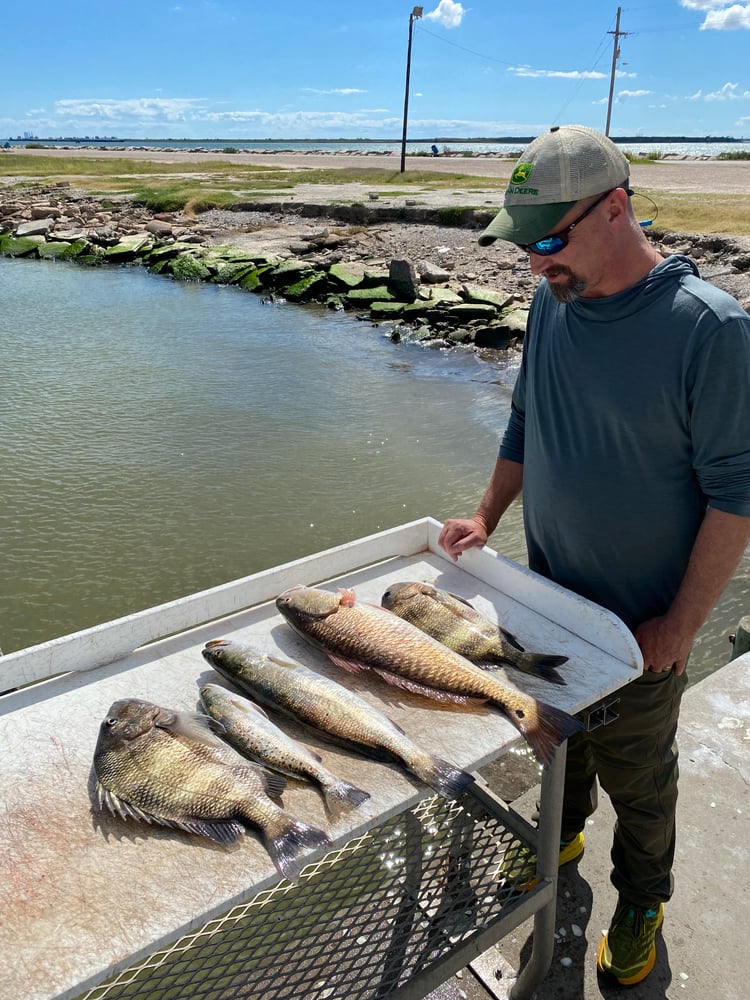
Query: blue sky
{"points": [[247, 69]]}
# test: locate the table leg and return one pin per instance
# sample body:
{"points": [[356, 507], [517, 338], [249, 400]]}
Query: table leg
{"points": [[548, 851]]}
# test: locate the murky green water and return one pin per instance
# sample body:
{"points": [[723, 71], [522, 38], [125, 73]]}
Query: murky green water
{"points": [[159, 438]]}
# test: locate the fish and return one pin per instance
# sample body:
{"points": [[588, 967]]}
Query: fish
{"points": [[331, 710], [246, 727], [160, 766], [361, 637], [453, 621]]}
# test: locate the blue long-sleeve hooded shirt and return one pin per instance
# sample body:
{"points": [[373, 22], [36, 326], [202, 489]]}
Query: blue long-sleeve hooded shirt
{"points": [[631, 414]]}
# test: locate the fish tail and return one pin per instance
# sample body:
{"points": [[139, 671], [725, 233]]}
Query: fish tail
{"points": [[545, 729], [340, 796], [445, 778], [286, 845], [543, 665]]}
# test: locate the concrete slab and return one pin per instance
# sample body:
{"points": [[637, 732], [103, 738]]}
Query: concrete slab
{"points": [[702, 952]]}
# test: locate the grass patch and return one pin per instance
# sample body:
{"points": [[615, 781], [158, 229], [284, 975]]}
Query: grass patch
{"points": [[697, 213], [735, 154], [176, 185]]}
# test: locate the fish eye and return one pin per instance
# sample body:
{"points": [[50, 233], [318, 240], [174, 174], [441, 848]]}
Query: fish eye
{"points": [[111, 721]]}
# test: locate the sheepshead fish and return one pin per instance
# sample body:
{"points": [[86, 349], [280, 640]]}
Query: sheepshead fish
{"points": [[330, 709], [360, 637], [167, 767], [246, 727], [459, 626]]}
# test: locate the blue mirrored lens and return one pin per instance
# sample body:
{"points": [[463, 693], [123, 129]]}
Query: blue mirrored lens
{"points": [[553, 244]]}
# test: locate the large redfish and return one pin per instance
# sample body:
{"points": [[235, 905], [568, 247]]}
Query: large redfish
{"points": [[331, 709], [458, 625], [167, 767], [367, 637]]}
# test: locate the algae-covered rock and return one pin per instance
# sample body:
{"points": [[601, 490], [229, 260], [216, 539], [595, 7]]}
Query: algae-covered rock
{"points": [[254, 280], [307, 288], [443, 296], [54, 251], [347, 275], [488, 296], [20, 246], [189, 268], [471, 310], [359, 297], [386, 310], [287, 273]]}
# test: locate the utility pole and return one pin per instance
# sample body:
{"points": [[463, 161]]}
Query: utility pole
{"points": [[615, 56], [417, 12]]}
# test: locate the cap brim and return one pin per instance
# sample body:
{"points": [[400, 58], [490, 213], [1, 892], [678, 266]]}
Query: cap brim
{"points": [[525, 223]]}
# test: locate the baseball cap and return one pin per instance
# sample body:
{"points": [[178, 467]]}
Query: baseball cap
{"points": [[557, 169]]}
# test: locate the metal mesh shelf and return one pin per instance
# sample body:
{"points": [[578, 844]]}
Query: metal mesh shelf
{"points": [[363, 923]]}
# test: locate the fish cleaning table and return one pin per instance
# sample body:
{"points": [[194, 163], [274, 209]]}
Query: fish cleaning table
{"points": [[408, 893]]}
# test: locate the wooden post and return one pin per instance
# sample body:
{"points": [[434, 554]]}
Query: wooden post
{"points": [[741, 642]]}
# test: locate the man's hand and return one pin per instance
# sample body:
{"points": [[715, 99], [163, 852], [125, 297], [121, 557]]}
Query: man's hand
{"points": [[663, 646], [460, 534]]}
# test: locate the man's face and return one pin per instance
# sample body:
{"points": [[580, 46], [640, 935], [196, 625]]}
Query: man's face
{"points": [[576, 269]]}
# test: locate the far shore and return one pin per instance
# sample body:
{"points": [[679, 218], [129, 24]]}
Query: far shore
{"points": [[678, 175]]}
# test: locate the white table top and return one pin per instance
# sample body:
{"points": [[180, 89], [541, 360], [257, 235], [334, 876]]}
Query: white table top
{"points": [[85, 894]]}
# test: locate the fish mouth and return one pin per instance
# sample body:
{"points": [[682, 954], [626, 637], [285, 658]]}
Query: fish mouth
{"points": [[214, 643]]}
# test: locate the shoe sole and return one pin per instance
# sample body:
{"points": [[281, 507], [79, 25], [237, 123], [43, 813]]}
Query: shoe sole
{"points": [[644, 971], [571, 852]]}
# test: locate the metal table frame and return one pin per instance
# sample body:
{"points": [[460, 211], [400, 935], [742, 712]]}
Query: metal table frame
{"points": [[116, 645]]}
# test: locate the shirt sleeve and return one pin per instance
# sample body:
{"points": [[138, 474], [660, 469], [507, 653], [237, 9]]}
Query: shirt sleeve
{"points": [[720, 417]]}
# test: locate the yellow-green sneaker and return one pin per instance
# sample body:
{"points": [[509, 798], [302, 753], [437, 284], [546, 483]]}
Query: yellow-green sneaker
{"points": [[628, 949], [519, 864]]}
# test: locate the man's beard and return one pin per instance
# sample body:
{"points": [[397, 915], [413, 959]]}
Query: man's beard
{"points": [[569, 290]]}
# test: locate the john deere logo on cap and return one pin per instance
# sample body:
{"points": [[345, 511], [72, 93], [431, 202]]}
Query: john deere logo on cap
{"points": [[522, 173]]}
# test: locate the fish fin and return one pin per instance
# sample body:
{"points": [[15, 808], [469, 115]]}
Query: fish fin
{"points": [[456, 597], [351, 666], [545, 729], [340, 796], [509, 637], [286, 847], [445, 778], [193, 726], [273, 781], [434, 694], [347, 597], [220, 832], [543, 666]]}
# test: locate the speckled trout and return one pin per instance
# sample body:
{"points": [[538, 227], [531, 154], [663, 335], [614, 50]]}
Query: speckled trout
{"points": [[453, 621], [160, 766], [330, 709], [358, 637], [246, 727]]}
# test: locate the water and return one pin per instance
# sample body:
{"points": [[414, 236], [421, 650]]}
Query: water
{"points": [[414, 146], [158, 438]]}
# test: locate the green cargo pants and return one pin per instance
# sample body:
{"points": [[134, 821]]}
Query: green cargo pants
{"points": [[635, 761]]}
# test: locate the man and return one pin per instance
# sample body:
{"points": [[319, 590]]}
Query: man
{"points": [[630, 435]]}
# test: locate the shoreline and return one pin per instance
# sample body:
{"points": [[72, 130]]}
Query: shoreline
{"points": [[679, 175]]}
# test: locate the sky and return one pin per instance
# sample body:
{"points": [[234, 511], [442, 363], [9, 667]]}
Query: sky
{"points": [[254, 69]]}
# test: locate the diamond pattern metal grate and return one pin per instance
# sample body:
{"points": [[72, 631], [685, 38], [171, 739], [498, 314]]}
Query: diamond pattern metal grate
{"points": [[362, 922]]}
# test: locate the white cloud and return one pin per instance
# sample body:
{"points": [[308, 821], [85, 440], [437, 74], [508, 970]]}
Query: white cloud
{"points": [[625, 94], [335, 90], [729, 92], [720, 15], [573, 74], [733, 18], [447, 13], [171, 109]]}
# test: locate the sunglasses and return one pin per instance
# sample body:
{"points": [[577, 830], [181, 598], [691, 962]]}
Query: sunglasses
{"points": [[558, 241]]}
